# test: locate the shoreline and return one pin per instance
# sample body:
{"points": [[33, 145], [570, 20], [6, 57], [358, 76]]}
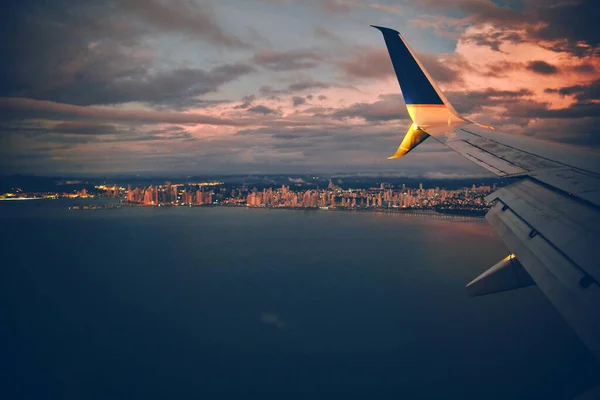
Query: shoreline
{"points": [[403, 212]]}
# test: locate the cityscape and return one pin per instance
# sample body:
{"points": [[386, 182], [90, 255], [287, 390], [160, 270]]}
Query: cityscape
{"points": [[384, 197]]}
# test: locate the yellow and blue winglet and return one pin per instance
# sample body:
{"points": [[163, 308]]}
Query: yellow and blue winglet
{"points": [[427, 106]]}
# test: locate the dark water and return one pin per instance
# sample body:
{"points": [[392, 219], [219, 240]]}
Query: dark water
{"points": [[233, 303]]}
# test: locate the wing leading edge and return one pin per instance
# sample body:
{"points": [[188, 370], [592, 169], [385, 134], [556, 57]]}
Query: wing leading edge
{"points": [[549, 219]]}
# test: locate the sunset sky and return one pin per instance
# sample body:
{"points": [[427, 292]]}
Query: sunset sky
{"points": [[281, 86]]}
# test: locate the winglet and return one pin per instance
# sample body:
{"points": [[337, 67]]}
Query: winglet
{"points": [[412, 139], [426, 104]]}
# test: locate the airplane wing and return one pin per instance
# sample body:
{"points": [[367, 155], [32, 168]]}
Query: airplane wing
{"points": [[549, 218]]}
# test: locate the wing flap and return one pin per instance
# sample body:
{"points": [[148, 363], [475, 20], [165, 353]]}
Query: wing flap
{"points": [[508, 274]]}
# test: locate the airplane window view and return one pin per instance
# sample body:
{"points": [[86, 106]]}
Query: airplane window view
{"points": [[320, 199]]}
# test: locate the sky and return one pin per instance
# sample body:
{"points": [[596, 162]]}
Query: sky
{"points": [[281, 86]]}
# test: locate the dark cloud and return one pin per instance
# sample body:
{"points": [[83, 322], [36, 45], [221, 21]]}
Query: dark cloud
{"points": [[582, 93], [582, 131], [84, 128], [287, 60], [568, 26], [176, 87], [185, 103], [260, 109], [297, 100], [246, 101], [501, 68], [585, 68], [304, 85], [96, 52], [294, 87], [473, 101], [542, 67], [71, 133], [540, 110], [19, 109], [573, 24]]}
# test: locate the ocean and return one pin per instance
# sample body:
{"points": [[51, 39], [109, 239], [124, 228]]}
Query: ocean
{"points": [[234, 303]]}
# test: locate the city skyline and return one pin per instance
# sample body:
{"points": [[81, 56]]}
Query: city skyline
{"points": [[278, 86], [384, 197]]}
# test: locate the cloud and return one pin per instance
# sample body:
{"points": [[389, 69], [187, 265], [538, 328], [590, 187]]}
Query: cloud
{"points": [[387, 109], [178, 87], [260, 109], [440, 69], [542, 67], [369, 63], [84, 128], [501, 68], [304, 85], [584, 68], [577, 110], [580, 92], [297, 100], [294, 87], [246, 101], [287, 60], [572, 25], [18, 108], [180, 16], [101, 86], [494, 40], [468, 102], [100, 52], [581, 131], [550, 21]]}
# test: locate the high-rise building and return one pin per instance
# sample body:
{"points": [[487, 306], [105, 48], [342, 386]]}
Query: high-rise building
{"points": [[173, 190], [199, 198]]}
